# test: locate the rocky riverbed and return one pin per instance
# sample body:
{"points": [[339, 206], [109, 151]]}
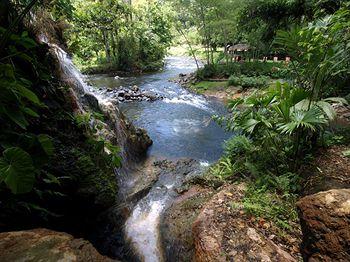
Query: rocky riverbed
{"points": [[130, 94]]}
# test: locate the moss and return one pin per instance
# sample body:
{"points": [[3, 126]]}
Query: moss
{"points": [[96, 178], [177, 227]]}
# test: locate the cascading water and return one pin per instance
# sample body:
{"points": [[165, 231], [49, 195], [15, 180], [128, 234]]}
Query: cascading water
{"points": [[85, 95], [180, 123], [181, 126]]}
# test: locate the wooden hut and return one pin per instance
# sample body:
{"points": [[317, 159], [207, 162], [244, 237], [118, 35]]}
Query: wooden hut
{"points": [[237, 51]]}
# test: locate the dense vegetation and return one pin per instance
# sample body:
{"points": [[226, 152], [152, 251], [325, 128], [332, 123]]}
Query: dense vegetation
{"points": [[276, 129], [281, 125], [134, 38], [215, 24], [39, 130]]}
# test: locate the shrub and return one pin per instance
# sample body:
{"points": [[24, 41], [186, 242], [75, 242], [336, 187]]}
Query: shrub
{"points": [[246, 81], [207, 71], [255, 68]]}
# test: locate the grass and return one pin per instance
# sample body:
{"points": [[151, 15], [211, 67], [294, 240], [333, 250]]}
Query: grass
{"points": [[203, 86], [272, 206]]}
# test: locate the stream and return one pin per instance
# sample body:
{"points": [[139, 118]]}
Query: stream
{"points": [[180, 126]]}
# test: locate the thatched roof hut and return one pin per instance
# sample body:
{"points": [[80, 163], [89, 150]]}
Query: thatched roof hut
{"points": [[239, 48]]}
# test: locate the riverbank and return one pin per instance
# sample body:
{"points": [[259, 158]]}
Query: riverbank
{"points": [[212, 88], [111, 69]]}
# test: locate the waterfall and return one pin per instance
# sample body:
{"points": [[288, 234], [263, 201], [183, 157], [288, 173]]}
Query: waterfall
{"points": [[115, 128]]}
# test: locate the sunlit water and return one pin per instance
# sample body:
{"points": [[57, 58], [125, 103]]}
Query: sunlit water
{"points": [[180, 125]]}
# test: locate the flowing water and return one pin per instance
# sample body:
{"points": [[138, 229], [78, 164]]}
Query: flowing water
{"points": [[180, 125]]}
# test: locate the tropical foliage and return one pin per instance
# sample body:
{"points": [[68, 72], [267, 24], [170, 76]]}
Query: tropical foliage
{"points": [[118, 35], [279, 126], [31, 108]]}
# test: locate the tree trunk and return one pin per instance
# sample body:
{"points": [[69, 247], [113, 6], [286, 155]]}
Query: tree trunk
{"points": [[189, 45], [114, 53], [107, 46], [206, 38]]}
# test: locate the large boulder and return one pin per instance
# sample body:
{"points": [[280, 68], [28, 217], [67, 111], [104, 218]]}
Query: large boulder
{"points": [[176, 224], [325, 221], [223, 234], [46, 245]]}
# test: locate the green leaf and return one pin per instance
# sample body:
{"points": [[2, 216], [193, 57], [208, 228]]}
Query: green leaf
{"points": [[250, 124], [346, 153], [327, 109], [28, 94], [46, 143], [17, 170], [337, 100], [116, 160], [51, 179], [17, 116], [30, 112]]}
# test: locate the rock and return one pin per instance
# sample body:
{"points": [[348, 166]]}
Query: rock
{"points": [[144, 137], [135, 88], [133, 141], [152, 96], [134, 94], [176, 224], [185, 79], [325, 221], [46, 245], [223, 235], [343, 116], [92, 101]]}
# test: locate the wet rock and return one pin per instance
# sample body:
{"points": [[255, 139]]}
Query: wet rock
{"points": [[46, 245], [142, 139], [152, 96], [325, 221], [92, 101], [134, 93], [135, 88], [185, 79], [176, 225], [118, 130], [146, 242]]}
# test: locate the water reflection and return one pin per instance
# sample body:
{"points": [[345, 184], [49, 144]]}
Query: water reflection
{"points": [[180, 124]]}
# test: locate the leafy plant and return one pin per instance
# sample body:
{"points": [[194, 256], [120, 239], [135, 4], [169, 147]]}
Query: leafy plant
{"points": [[17, 170], [319, 52], [248, 82], [245, 69], [264, 203]]}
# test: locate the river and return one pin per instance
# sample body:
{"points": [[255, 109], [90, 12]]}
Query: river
{"points": [[180, 126]]}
